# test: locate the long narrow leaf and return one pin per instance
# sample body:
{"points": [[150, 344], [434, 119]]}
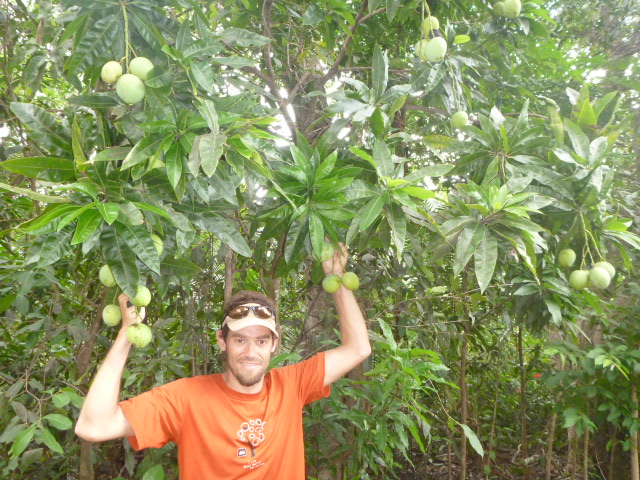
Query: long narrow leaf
{"points": [[466, 246], [485, 259]]}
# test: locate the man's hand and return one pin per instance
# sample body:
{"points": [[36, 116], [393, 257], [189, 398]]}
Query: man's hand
{"points": [[130, 314], [337, 262]]}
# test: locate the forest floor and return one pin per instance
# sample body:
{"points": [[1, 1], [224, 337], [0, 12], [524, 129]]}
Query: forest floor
{"points": [[505, 468]]}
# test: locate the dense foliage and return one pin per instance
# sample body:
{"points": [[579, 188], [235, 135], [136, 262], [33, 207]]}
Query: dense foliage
{"points": [[265, 128]]}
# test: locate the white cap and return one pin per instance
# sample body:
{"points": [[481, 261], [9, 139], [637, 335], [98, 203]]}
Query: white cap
{"points": [[251, 320]]}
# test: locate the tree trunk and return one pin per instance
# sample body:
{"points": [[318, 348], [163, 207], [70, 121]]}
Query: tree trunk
{"points": [[635, 466], [83, 360], [229, 274], [463, 404], [492, 434], [585, 456], [572, 453], [523, 408], [550, 439], [319, 312], [612, 459], [450, 439]]}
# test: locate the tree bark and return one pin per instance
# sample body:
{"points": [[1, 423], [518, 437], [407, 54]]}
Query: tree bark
{"points": [[463, 404], [635, 465], [83, 360], [572, 453], [549, 450], [523, 408], [585, 455], [229, 274]]}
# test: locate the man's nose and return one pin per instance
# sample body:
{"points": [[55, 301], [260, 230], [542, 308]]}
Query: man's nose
{"points": [[250, 348]]}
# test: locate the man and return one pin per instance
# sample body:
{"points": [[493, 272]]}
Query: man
{"points": [[244, 423]]}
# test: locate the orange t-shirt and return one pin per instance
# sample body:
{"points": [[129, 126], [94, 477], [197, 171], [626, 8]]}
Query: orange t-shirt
{"points": [[224, 434]]}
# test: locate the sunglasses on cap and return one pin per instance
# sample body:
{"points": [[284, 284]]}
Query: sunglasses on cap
{"points": [[241, 311]]}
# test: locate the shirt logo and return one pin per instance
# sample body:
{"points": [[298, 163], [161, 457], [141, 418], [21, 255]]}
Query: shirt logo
{"points": [[242, 452], [252, 432]]}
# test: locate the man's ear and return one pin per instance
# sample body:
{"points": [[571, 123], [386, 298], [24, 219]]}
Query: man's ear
{"points": [[221, 343], [275, 343]]}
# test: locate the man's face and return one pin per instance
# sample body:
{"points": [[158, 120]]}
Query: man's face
{"points": [[248, 352]]}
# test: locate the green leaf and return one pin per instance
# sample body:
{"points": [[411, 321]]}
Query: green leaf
{"points": [[34, 71], [485, 259], [578, 138], [58, 421], [392, 8], [154, 473], [152, 208], [179, 267], [70, 217], [96, 40], [418, 192], [208, 111], [377, 122], [326, 166], [473, 439], [587, 116], [295, 238], [556, 123], [382, 158], [139, 240], [597, 150], [141, 151], [211, 147], [54, 247], [53, 169], [388, 334], [398, 223], [50, 441], [379, 73], [174, 162], [316, 233], [466, 245], [203, 47], [203, 75], [109, 211], [88, 223], [76, 144], [113, 154], [61, 399], [93, 101], [243, 38], [121, 260], [460, 39], [313, 15], [234, 61], [430, 171], [228, 234], [555, 311], [43, 128], [22, 440], [371, 211], [51, 213]]}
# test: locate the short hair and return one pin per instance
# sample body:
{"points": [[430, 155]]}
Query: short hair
{"points": [[248, 296]]}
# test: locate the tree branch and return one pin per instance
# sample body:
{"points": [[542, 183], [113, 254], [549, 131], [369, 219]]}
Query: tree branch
{"points": [[360, 18], [270, 78]]}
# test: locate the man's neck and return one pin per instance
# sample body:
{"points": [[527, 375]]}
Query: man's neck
{"points": [[232, 382]]}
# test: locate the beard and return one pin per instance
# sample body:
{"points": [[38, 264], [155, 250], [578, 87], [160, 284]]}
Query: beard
{"points": [[244, 377]]}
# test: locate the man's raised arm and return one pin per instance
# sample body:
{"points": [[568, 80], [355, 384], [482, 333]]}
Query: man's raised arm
{"points": [[101, 418], [355, 345]]}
